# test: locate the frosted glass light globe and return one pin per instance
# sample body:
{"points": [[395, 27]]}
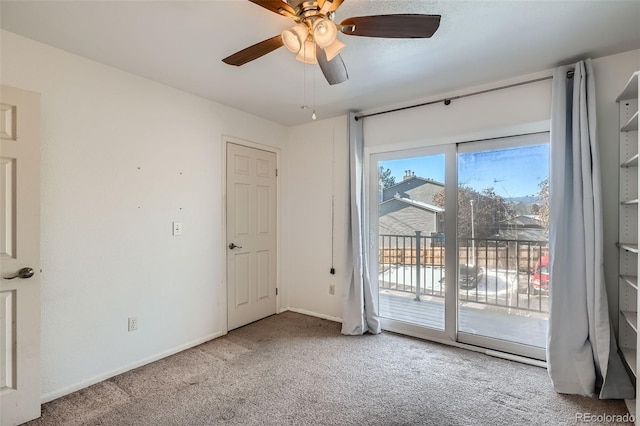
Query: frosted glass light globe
{"points": [[294, 37], [324, 32]]}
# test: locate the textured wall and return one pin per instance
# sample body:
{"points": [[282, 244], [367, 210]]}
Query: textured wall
{"points": [[123, 157], [318, 160]]}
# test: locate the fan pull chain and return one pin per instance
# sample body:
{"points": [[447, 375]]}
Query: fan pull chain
{"points": [[313, 92], [304, 81]]}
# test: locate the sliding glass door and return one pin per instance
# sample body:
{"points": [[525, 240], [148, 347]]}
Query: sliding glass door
{"points": [[503, 251], [459, 242], [412, 220]]}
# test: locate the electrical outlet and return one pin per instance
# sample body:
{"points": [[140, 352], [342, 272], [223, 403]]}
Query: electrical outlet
{"points": [[133, 323], [332, 289]]}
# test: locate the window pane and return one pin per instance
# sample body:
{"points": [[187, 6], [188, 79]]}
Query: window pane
{"points": [[411, 240], [503, 253]]}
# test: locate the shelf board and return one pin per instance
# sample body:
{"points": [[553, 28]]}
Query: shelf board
{"points": [[632, 280], [633, 248], [629, 356], [631, 162], [631, 125], [632, 319], [630, 91], [628, 108]]}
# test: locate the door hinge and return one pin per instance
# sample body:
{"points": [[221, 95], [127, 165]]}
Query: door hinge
{"points": [[276, 291], [276, 172]]}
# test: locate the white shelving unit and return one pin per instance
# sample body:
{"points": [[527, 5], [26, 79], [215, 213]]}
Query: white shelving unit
{"points": [[628, 231]]}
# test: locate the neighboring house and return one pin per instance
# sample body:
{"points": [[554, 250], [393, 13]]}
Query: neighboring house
{"points": [[408, 207], [403, 216], [413, 187], [521, 228]]}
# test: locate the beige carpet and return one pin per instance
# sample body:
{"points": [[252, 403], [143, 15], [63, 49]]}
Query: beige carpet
{"points": [[292, 369]]}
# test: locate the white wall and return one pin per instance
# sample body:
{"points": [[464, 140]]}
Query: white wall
{"points": [[317, 151], [123, 157], [492, 114]]}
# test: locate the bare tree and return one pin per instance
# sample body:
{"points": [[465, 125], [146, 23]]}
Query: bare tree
{"points": [[488, 209], [543, 202]]}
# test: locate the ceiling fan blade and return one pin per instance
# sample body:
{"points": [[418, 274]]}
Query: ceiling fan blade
{"points": [[392, 26], [334, 70], [274, 6], [334, 4], [254, 52]]}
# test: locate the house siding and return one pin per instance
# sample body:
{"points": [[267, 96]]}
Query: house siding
{"points": [[399, 218], [418, 189]]}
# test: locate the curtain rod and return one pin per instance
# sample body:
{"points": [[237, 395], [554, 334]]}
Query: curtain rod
{"points": [[447, 101]]}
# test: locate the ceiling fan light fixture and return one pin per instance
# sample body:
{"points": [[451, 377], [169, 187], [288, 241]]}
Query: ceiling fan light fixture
{"points": [[333, 49], [324, 32], [313, 36], [294, 37], [308, 53]]}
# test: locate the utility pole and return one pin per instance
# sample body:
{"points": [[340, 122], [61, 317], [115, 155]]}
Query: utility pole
{"points": [[473, 241]]}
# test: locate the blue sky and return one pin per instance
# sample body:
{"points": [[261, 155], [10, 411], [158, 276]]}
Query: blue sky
{"points": [[512, 172]]}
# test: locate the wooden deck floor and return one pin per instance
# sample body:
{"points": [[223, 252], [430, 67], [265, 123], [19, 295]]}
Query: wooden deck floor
{"points": [[518, 328]]}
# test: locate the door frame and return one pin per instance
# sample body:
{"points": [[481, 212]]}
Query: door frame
{"points": [[226, 139], [401, 149], [504, 142], [450, 309]]}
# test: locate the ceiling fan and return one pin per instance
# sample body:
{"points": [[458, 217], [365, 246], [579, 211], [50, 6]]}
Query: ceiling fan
{"points": [[313, 39]]}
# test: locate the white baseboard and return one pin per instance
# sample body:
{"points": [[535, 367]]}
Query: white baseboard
{"points": [[313, 314], [102, 377]]}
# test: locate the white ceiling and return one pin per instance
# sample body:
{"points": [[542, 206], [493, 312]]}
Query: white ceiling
{"points": [[181, 44]]}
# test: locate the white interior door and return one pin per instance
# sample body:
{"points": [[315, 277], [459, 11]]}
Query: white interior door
{"points": [[251, 234], [19, 255]]}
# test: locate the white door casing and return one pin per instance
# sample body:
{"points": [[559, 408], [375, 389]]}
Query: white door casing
{"points": [[19, 248], [251, 234]]}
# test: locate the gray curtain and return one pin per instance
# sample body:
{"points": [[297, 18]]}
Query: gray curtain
{"points": [[582, 355], [359, 310]]}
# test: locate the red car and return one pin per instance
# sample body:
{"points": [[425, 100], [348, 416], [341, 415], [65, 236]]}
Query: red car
{"points": [[540, 281]]}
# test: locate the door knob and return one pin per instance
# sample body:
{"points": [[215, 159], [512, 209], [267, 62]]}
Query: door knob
{"points": [[22, 273], [232, 246]]}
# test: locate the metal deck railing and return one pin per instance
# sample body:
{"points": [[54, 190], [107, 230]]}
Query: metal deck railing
{"points": [[496, 272]]}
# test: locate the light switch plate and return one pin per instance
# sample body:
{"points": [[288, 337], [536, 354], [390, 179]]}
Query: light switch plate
{"points": [[177, 228]]}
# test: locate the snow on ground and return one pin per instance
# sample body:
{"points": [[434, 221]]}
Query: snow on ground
{"points": [[494, 284]]}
